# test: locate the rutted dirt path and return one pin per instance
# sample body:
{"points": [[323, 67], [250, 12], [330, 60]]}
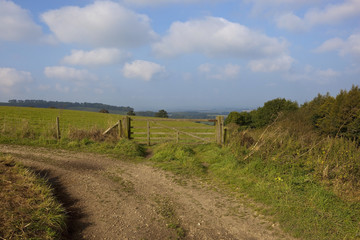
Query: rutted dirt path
{"points": [[112, 199]]}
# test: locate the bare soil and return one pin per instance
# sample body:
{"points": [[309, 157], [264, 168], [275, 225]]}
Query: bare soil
{"points": [[108, 198]]}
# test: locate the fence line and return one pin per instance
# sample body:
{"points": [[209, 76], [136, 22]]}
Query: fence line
{"points": [[144, 130]]}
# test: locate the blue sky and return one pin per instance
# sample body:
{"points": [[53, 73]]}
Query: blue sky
{"points": [[178, 54]]}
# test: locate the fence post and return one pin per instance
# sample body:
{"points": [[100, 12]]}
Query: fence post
{"points": [[220, 130], [177, 137], [148, 133], [58, 136], [120, 129], [4, 128], [225, 135], [127, 127]]}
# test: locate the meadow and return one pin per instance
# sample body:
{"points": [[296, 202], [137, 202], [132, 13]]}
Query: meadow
{"points": [[38, 126]]}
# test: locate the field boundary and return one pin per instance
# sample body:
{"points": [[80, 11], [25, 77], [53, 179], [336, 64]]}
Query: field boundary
{"points": [[156, 130]]}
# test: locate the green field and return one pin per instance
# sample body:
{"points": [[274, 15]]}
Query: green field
{"points": [[39, 124]]}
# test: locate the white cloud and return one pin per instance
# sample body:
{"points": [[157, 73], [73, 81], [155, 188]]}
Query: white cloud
{"points": [[328, 73], [330, 45], [67, 73], [331, 14], [344, 47], [99, 56], [290, 21], [229, 71], [62, 89], [101, 24], [205, 68], [320, 76], [271, 7], [12, 79], [157, 2], [143, 70], [281, 63], [217, 37], [16, 23]]}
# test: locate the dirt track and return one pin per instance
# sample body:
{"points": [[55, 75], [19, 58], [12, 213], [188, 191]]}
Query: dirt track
{"points": [[112, 199]]}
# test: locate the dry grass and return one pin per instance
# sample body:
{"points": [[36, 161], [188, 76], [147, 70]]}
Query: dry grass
{"points": [[28, 208]]}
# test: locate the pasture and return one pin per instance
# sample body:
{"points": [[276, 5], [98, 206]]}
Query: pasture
{"points": [[39, 124]]}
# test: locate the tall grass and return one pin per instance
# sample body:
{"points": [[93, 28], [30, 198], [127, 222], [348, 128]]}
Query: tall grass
{"points": [[28, 208]]}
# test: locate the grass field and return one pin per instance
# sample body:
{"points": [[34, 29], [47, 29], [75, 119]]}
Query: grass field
{"points": [[30, 125]]}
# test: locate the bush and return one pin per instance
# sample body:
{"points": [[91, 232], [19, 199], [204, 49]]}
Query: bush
{"points": [[338, 116], [161, 114], [103, 111], [270, 111]]}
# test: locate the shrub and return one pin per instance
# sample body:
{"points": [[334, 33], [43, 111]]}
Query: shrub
{"points": [[103, 111], [270, 111]]}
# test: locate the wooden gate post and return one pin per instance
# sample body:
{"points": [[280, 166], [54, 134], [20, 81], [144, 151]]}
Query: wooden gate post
{"points": [[148, 133], [127, 127], [120, 127], [58, 135], [220, 130]]}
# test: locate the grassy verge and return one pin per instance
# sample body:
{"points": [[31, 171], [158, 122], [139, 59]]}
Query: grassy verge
{"points": [[292, 195], [28, 208]]}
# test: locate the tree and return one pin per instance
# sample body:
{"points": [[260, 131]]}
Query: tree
{"points": [[243, 119], [104, 111], [269, 112], [340, 116], [131, 113], [233, 117], [161, 114]]}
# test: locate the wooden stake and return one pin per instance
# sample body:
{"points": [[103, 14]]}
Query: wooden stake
{"points": [[148, 133], [225, 135], [58, 136], [120, 129], [220, 130], [127, 127]]}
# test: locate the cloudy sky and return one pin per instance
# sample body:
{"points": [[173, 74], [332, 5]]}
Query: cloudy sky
{"points": [[178, 54]]}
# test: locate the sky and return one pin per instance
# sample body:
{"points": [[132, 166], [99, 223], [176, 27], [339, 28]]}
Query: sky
{"points": [[178, 54]]}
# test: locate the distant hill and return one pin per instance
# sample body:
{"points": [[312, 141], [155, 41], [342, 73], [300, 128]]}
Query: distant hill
{"points": [[85, 106]]}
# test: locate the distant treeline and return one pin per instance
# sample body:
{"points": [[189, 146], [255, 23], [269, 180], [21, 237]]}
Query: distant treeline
{"points": [[182, 115], [194, 115], [95, 107]]}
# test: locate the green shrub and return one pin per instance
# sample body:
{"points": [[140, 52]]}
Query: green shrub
{"points": [[270, 111]]}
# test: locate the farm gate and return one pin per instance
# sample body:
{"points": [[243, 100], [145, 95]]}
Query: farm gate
{"points": [[150, 131]]}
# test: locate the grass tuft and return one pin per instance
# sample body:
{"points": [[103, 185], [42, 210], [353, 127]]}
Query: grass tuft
{"points": [[28, 208]]}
